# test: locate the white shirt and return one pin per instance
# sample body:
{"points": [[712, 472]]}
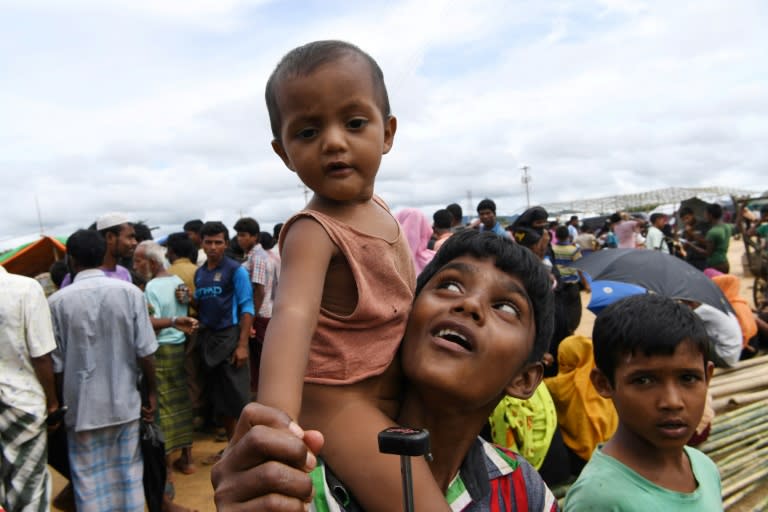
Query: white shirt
{"points": [[101, 327], [25, 332], [725, 332], [655, 240]]}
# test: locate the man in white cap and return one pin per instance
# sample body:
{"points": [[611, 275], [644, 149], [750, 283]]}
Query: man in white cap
{"points": [[120, 236]]}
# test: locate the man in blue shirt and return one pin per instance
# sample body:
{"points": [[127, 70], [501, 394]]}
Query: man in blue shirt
{"points": [[486, 210], [224, 301]]}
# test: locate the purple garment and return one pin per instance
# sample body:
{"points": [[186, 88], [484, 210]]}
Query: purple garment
{"points": [[625, 233], [120, 272]]}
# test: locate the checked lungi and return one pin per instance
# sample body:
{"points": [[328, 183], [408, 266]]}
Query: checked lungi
{"points": [[174, 406], [25, 484], [107, 468]]}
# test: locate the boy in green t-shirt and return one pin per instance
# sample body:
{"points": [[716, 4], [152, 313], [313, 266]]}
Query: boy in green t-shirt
{"points": [[718, 239], [651, 356], [761, 228]]}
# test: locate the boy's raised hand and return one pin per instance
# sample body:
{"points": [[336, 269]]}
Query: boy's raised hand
{"points": [[267, 463]]}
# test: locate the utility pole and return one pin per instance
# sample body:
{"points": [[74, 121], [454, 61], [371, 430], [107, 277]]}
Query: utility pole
{"points": [[306, 194], [526, 179]]}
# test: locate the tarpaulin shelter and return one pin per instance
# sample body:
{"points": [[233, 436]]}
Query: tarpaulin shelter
{"points": [[35, 257]]}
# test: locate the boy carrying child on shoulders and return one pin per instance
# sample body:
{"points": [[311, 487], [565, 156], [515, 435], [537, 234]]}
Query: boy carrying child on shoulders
{"points": [[651, 356]]}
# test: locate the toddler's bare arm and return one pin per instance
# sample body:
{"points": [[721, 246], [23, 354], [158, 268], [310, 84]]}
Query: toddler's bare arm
{"points": [[306, 252], [350, 422]]}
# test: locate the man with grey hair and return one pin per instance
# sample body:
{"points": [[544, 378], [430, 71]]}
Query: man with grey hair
{"points": [[171, 322]]}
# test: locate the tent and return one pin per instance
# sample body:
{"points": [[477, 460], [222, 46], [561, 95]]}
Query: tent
{"points": [[699, 206], [34, 258]]}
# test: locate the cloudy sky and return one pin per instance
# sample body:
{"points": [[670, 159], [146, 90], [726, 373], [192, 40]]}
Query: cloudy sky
{"points": [[155, 107]]}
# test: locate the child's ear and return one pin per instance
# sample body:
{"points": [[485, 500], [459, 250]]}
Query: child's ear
{"points": [[709, 370], [278, 148], [390, 127], [601, 383], [524, 384]]}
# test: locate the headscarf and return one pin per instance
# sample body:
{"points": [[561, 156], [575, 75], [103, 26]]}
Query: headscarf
{"points": [[529, 216], [417, 231], [525, 426], [730, 284], [585, 417]]}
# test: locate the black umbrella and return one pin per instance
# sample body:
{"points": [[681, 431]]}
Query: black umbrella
{"points": [[655, 271]]}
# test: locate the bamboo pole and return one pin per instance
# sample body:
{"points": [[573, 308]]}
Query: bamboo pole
{"points": [[739, 376], [739, 399], [734, 387], [755, 361], [737, 497], [740, 484], [727, 420]]}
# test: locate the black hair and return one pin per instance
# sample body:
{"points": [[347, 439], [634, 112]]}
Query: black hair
{"points": [[182, 246], [486, 204], [303, 60], [234, 251], [115, 230], [143, 232], [764, 209], [529, 216], [456, 211], [87, 248], [511, 259], [247, 225], [649, 324], [58, 271], [615, 217], [685, 210], [193, 225], [214, 227], [276, 231], [562, 233], [442, 219], [574, 217], [655, 217], [715, 210], [266, 240]]}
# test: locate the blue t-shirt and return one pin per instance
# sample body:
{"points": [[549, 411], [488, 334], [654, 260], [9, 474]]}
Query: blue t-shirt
{"points": [[223, 294]]}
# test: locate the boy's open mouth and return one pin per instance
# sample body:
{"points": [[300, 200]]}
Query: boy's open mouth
{"points": [[454, 336], [673, 428]]}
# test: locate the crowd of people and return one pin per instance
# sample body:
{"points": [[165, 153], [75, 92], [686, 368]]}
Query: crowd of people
{"points": [[301, 345]]}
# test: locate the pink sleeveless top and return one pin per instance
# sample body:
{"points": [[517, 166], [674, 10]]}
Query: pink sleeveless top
{"points": [[348, 349]]}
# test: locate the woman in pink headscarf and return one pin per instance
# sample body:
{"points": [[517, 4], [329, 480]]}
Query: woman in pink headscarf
{"points": [[417, 231]]}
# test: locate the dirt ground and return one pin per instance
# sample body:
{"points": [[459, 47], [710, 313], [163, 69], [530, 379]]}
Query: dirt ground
{"points": [[195, 490]]}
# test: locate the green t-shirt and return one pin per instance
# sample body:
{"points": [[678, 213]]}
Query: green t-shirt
{"points": [[607, 485], [762, 231], [720, 236]]}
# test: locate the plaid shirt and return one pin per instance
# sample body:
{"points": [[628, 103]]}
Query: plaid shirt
{"points": [[261, 270], [491, 479]]}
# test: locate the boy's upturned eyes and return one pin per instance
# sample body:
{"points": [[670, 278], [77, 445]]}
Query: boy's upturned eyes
{"points": [[507, 307]]}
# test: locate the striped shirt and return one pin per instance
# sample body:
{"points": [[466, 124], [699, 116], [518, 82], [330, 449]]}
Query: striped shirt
{"points": [[491, 479]]}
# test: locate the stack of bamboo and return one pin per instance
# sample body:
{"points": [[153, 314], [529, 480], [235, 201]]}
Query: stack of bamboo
{"points": [[738, 441], [743, 384]]}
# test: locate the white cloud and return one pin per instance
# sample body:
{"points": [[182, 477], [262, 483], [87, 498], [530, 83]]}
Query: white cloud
{"points": [[156, 108]]}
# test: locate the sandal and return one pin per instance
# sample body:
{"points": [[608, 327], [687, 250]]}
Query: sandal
{"points": [[213, 459]]}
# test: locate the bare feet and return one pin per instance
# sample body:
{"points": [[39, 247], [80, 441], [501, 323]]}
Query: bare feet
{"points": [[169, 506], [182, 466]]}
